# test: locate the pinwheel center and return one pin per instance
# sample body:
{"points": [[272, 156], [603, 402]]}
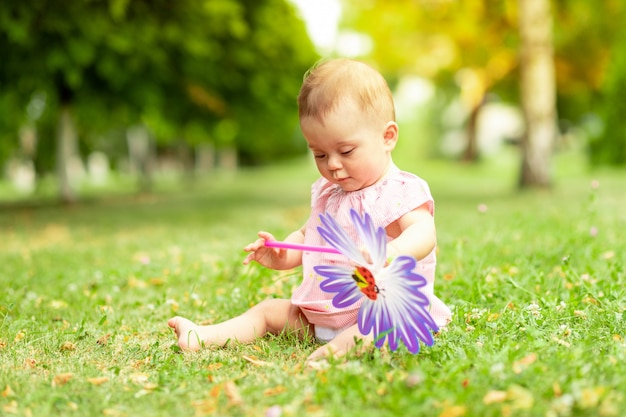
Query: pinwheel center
{"points": [[365, 281]]}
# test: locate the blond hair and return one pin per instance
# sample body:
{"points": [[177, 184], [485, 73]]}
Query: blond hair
{"points": [[336, 81]]}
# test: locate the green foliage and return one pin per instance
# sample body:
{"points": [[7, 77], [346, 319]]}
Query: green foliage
{"points": [[536, 282], [180, 67], [608, 147], [470, 47]]}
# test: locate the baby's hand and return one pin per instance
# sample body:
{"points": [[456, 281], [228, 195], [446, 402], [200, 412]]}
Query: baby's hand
{"points": [[268, 257]]}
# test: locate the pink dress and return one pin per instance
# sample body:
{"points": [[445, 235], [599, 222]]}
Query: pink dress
{"points": [[394, 195]]}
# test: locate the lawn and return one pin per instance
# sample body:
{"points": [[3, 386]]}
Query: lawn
{"points": [[536, 281]]}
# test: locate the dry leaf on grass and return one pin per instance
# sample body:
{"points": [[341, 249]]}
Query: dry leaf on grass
{"points": [[494, 396], [104, 340], [279, 389], [139, 379], [232, 393], [8, 392], [253, 360], [453, 411], [521, 398], [525, 362], [98, 380], [11, 407], [68, 346], [62, 379]]}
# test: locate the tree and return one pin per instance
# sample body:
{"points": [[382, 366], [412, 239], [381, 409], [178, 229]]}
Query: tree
{"points": [[182, 68], [538, 92], [471, 47], [608, 146]]}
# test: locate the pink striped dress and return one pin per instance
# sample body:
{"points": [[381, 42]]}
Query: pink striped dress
{"points": [[394, 195]]}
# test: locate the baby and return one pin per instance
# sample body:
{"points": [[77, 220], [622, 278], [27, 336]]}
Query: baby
{"points": [[347, 116]]}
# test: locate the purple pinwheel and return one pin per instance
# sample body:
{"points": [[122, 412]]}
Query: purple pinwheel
{"points": [[393, 307]]}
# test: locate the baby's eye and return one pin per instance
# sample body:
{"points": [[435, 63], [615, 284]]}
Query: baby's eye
{"points": [[320, 156], [348, 152]]}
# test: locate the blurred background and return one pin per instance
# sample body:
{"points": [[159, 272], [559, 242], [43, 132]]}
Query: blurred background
{"points": [[102, 95]]}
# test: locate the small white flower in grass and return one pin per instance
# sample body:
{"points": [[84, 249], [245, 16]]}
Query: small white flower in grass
{"points": [[593, 231], [565, 330], [595, 184], [236, 294], [482, 208], [562, 406], [475, 314], [534, 309], [561, 306]]}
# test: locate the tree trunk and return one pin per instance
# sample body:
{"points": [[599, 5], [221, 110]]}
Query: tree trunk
{"points": [[538, 92], [471, 150], [66, 155], [140, 153]]}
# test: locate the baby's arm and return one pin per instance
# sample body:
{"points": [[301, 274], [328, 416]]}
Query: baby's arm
{"points": [[417, 236], [275, 258]]}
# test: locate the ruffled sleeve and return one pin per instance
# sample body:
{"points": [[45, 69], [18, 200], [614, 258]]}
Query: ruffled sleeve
{"points": [[397, 194]]}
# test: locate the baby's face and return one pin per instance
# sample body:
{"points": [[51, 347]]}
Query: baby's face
{"points": [[350, 149]]}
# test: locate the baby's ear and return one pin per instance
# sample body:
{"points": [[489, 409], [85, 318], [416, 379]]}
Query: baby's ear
{"points": [[391, 134]]}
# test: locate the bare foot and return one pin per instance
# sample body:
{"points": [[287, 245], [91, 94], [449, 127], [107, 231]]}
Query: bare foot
{"points": [[190, 335], [322, 353], [344, 343]]}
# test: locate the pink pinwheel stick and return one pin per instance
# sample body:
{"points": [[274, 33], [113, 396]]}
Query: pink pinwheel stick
{"points": [[299, 246]]}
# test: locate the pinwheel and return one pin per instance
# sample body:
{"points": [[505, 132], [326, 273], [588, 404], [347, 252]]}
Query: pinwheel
{"points": [[393, 306]]}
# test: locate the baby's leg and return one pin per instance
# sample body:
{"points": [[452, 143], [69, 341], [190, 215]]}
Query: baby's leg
{"points": [[269, 316]]}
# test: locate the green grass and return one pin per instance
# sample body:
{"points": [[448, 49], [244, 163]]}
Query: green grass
{"points": [[539, 303]]}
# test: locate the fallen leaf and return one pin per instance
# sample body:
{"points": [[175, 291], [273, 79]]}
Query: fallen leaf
{"points": [[453, 411], [68, 346], [104, 340], [98, 380], [204, 407], [521, 398], [10, 408], [253, 360], [449, 276], [62, 379], [215, 366], [157, 281], [494, 396], [608, 255], [520, 365], [110, 412], [590, 300], [279, 389], [232, 393], [215, 391], [30, 363], [139, 379], [590, 397], [8, 392], [58, 304], [142, 362], [136, 283]]}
